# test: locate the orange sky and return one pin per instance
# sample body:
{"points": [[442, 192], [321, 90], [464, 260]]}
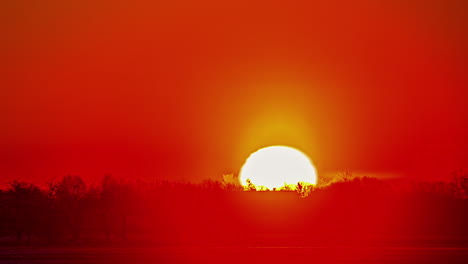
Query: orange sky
{"points": [[187, 89]]}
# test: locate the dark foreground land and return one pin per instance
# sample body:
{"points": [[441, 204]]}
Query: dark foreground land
{"points": [[355, 221], [317, 254]]}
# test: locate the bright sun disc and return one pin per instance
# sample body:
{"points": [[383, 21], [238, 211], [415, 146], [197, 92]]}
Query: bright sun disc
{"points": [[277, 167]]}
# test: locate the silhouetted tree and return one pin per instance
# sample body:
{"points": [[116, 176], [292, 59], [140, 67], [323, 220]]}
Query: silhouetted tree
{"points": [[116, 200], [24, 205], [304, 189], [459, 181], [71, 192], [345, 176], [250, 186]]}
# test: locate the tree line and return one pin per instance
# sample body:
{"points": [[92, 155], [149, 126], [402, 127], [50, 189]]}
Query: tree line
{"points": [[116, 210]]}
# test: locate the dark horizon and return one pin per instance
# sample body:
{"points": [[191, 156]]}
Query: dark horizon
{"points": [[71, 212]]}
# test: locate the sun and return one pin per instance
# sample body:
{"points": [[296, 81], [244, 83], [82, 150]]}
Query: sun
{"points": [[276, 167]]}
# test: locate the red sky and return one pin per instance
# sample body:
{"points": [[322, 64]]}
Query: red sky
{"points": [[187, 89]]}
